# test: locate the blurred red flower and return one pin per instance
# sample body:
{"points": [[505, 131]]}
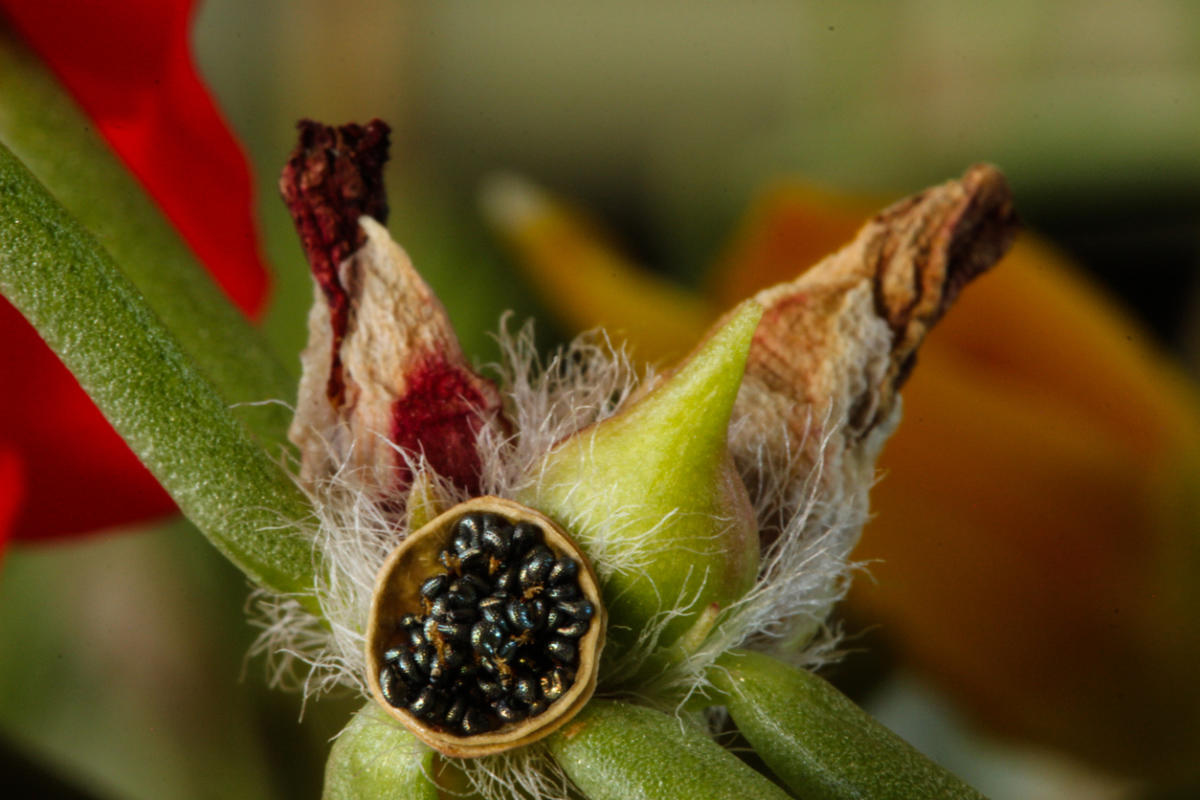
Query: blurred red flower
{"points": [[128, 63]]}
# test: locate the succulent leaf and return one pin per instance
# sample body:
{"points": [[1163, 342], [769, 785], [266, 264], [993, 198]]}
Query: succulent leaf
{"points": [[819, 742], [614, 751]]}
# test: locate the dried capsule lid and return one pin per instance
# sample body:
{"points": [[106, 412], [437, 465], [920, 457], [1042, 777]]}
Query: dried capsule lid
{"points": [[398, 595]]}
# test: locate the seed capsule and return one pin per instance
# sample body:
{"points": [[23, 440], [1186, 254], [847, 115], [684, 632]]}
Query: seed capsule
{"points": [[474, 643]]}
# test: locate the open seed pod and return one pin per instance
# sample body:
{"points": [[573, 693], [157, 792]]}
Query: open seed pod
{"points": [[485, 630]]}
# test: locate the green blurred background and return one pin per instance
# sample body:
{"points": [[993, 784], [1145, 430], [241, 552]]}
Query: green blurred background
{"points": [[124, 672]]}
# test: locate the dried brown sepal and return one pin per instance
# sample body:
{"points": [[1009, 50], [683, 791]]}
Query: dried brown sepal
{"points": [[406, 384], [835, 344], [333, 177], [397, 593]]}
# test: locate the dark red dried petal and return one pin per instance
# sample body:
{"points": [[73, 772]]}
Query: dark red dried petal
{"points": [[333, 177]]}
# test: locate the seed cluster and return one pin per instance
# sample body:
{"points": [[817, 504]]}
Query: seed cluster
{"points": [[498, 641]]}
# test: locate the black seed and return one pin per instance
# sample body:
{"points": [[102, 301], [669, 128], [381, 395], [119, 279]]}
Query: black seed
{"points": [[409, 671], [455, 631], [410, 621], [456, 711], [456, 654], [468, 529], [432, 587], [507, 712], [449, 560], [536, 567], [392, 654], [574, 629], [578, 609], [468, 584], [554, 684], [473, 561], [537, 707], [562, 650], [424, 657], [526, 689], [425, 703], [525, 536], [564, 591], [392, 686], [508, 581], [490, 689], [464, 591], [428, 632], [459, 600], [475, 722], [416, 638], [485, 638], [520, 615], [495, 543], [491, 609], [565, 570], [506, 651], [556, 617]]}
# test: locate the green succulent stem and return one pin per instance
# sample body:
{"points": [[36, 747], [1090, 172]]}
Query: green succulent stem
{"points": [[171, 414], [373, 758], [46, 131], [618, 751], [822, 745]]}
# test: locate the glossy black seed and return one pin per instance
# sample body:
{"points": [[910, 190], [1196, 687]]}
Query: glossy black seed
{"points": [[562, 592], [555, 617], [392, 654], [491, 609], [409, 671], [455, 632], [473, 561], [428, 632], [392, 686], [506, 651], [507, 581], [458, 600], [526, 689], [454, 714], [468, 529], [524, 537], [492, 690], [485, 638], [416, 637], [578, 609], [424, 657], [410, 621], [537, 707], [562, 650], [465, 592], [565, 570], [507, 712], [554, 684], [468, 584], [432, 587], [495, 542], [574, 629], [475, 722], [536, 567], [521, 615], [449, 560], [424, 705]]}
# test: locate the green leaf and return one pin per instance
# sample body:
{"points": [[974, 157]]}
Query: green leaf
{"points": [[175, 420], [618, 751], [818, 741], [40, 123], [374, 758]]}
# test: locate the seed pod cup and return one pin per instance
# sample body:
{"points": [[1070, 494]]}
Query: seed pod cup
{"points": [[430, 551]]}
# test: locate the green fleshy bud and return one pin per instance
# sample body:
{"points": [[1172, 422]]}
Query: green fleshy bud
{"points": [[374, 758], [652, 495], [615, 750], [818, 741]]}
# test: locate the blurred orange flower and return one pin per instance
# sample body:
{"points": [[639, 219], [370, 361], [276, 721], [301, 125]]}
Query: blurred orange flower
{"points": [[1035, 537]]}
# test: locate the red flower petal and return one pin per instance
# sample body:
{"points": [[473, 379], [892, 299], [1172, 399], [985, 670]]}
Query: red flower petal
{"points": [[129, 66]]}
